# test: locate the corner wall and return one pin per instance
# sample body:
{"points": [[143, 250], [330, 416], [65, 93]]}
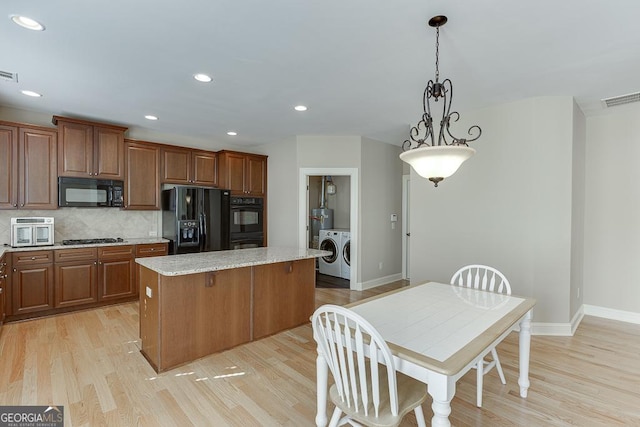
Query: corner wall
{"points": [[509, 206]]}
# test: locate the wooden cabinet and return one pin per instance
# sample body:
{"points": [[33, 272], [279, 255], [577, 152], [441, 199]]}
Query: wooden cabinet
{"points": [[28, 172], [116, 278], [243, 173], [142, 183], [3, 288], [32, 282], [151, 249], [196, 315], [186, 317], [89, 149], [284, 296], [186, 166], [75, 277]]}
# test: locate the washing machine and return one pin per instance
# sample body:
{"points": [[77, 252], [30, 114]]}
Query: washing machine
{"points": [[330, 240], [345, 255]]}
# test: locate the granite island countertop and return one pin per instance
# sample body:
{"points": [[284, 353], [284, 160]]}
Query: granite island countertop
{"points": [[178, 265]]}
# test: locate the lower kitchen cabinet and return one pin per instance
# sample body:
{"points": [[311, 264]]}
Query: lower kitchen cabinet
{"points": [[3, 288], [116, 274], [284, 296], [32, 282], [76, 277]]}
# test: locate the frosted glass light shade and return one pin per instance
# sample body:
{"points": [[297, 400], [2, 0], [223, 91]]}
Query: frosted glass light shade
{"points": [[440, 161]]}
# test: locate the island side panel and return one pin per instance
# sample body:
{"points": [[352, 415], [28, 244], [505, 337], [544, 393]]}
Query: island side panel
{"points": [[149, 315], [284, 296], [203, 313]]}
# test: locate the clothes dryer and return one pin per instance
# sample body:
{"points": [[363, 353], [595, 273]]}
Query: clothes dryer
{"points": [[330, 240], [345, 255]]}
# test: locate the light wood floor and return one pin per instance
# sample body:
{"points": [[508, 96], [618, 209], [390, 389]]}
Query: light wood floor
{"points": [[90, 363]]}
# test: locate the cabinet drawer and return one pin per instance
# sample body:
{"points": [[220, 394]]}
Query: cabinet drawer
{"points": [[151, 249], [81, 254], [116, 252], [32, 257]]}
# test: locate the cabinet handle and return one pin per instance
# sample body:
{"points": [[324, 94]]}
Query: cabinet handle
{"points": [[15, 269], [1, 290], [289, 267], [95, 263], [22, 204], [33, 258], [211, 279], [15, 205], [153, 249]]}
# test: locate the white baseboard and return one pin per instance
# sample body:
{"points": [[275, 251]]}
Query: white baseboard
{"points": [[577, 318], [377, 282], [551, 329], [611, 313]]}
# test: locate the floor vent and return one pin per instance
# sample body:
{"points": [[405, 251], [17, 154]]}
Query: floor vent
{"points": [[620, 100], [6, 75]]}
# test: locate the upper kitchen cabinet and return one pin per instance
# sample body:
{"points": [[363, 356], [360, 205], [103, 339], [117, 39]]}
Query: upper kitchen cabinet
{"points": [[243, 173], [187, 166], [89, 149], [28, 168], [142, 184]]}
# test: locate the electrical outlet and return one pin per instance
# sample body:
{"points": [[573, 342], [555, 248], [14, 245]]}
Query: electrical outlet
{"points": [[153, 233], [149, 292]]}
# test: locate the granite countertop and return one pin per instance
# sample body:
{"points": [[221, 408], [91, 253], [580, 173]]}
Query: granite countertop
{"points": [[59, 245], [178, 265]]}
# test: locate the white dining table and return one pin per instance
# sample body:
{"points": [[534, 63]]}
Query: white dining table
{"points": [[437, 332]]}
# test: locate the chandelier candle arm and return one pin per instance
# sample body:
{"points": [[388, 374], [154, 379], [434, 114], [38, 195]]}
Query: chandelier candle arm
{"points": [[441, 158]]}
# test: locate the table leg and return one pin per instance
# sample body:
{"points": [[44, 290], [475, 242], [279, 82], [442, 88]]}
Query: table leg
{"points": [[322, 372], [525, 348], [441, 389]]}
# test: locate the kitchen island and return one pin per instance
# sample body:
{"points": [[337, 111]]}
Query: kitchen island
{"points": [[193, 305]]}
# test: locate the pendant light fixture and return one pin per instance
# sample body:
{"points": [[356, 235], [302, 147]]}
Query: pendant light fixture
{"points": [[437, 158]]}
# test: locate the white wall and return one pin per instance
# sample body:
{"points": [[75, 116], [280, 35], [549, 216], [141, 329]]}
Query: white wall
{"points": [[576, 292], [282, 193], [508, 206], [612, 214], [380, 197]]}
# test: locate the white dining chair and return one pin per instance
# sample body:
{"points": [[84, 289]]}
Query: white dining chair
{"points": [[484, 278], [367, 388]]}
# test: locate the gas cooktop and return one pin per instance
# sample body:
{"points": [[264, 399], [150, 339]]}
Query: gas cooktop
{"points": [[91, 241]]}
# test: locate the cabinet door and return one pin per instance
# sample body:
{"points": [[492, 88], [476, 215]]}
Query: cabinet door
{"points": [[116, 279], [8, 167], [75, 156], [176, 165], [108, 153], [38, 170], [142, 188], [205, 168], [3, 288], [32, 288], [283, 296], [256, 179], [75, 283], [234, 173]]}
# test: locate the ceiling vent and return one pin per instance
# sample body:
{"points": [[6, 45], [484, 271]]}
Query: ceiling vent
{"points": [[11, 77], [620, 100]]}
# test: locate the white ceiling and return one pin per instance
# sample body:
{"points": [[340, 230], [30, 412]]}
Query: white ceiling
{"points": [[359, 65]]}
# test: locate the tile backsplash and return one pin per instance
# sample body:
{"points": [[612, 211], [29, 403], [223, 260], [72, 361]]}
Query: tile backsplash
{"points": [[87, 223]]}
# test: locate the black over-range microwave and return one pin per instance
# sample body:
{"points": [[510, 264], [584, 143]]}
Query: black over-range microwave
{"points": [[88, 192]]}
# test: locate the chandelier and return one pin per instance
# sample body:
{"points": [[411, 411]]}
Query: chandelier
{"points": [[430, 158]]}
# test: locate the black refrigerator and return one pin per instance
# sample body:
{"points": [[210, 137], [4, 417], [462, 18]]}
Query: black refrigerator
{"points": [[195, 219]]}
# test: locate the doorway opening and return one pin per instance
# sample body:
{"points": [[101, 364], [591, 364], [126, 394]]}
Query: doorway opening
{"points": [[328, 220]]}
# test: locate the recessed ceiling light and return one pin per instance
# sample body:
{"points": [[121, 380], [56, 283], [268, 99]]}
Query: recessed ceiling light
{"points": [[300, 108], [28, 23], [232, 133], [150, 117], [202, 78], [31, 93]]}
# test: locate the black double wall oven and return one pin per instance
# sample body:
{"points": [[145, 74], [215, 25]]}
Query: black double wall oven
{"points": [[247, 222]]}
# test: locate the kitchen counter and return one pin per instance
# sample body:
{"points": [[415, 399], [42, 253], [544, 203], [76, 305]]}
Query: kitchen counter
{"points": [[178, 265], [194, 305], [137, 241]]}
